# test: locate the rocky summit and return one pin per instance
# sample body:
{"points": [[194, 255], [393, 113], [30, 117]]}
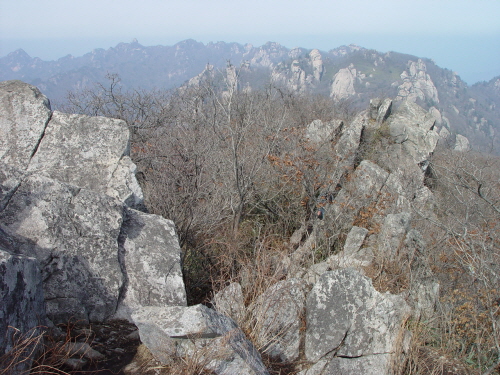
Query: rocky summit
{"points": [[76, 244], [75, 241]]}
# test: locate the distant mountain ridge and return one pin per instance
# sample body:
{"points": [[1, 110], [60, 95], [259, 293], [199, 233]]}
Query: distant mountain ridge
{"points": [[347, 73]]}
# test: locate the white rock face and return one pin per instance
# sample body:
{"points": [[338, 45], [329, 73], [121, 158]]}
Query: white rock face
{"points": [[343, 83], [87, 152], [317, 64], [65, 198], [154, 278], [320, 132], [413, 128], [417, 83], [461, 143], [346, 317], [24, 115]]}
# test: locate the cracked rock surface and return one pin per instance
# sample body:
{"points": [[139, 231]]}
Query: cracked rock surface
{"points": [[67, 198], [347, 319]]}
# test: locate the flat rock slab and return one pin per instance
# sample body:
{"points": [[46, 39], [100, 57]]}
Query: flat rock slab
{"points": [[200, 333]]}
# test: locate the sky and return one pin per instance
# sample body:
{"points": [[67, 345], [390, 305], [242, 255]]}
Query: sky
{"points": [[461, 35]]}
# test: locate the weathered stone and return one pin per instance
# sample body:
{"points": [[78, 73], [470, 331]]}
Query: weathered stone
{"points": [[317, 64], [380, 110], [413, 128], [343, 83], [315, 369], [230, 302], [321, 132], [376, 364], [23, 116], [363, 188], [73, 233], [10, 179], [276, 319], [313, 273], [124, 186], [347, 317], [87, 152], [22, 309], [374, 106], [151, 259], [393, 233], [346, 147], [384, 111], [352, 256], [198, 332], [417, 84], [423, 294], [461, 143]]}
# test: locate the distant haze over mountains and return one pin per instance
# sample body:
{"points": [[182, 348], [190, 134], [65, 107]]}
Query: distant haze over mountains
{"points": [[347, 73]]}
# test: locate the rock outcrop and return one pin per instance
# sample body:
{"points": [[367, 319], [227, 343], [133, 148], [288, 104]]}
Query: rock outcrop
{"points": [[343, 83], [76, 244], [413, 129], [68, 195], [352, 325], [417, 84]]}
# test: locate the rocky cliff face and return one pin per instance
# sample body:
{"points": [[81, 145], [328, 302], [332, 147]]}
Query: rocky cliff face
{"points": [[68, 216]]}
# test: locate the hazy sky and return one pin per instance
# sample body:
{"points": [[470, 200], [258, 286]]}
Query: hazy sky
{"points": [[461, 35]]}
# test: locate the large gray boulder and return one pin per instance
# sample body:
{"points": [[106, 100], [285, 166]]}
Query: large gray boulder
{"points": [[210, 338], [66, 188], [88, 152], [153, 275], [343, 83], [231, 302], [348, 320], [73, 233], [413, 128], [24, 115]]}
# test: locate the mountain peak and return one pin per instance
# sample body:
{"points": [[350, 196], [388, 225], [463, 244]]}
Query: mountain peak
{"points": [[19, 54]]}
